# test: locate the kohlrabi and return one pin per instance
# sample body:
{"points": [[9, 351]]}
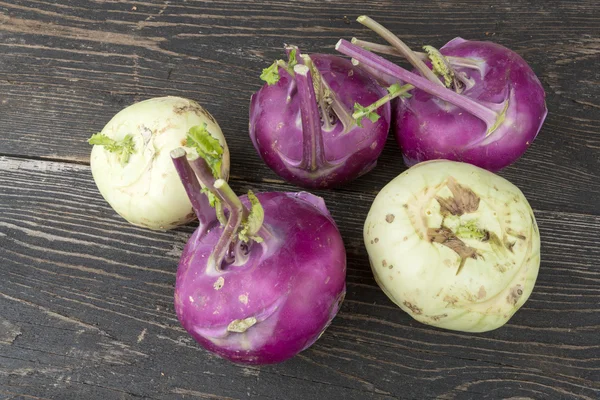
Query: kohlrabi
{"points": [[453, 245], [131, 165], [301, 120], [264, 285], [471, 101]]}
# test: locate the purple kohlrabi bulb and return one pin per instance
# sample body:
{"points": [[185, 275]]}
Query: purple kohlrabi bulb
{"points": [[471, 101], [302, 125], [428, 128], [275, 298]]}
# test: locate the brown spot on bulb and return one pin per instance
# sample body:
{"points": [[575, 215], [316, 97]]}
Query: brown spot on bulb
{"points": [[219, 283], [481, 294], [390, 218], [514, 295], [451, 300], [463, 200], [413, 308], [436, 318], [446, 237], [501, 268]]}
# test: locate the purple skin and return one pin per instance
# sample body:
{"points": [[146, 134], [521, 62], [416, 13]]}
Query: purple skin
{"points": [[292, 283], [292, 138], [427, 129], [438, 123]]}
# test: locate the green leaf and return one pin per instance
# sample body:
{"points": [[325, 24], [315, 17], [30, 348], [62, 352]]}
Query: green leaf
{"points": [[122, 148], [364, 112], [395, 88], [440, 65], [211, 151], [292, 60], [101, 140], [207, 147], [212, 199], [215, 203], [251, 225], [271, 74], [470, 230]]}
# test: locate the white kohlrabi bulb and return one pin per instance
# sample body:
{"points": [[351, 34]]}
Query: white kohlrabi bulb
{"points": [[132, 167], [453, 245]]}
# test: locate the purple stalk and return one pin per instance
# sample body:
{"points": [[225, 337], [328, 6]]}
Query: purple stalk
{"points": [[401, 47], [205, 213], [205, 175], [369, 59], [196, 171], [383, 79], [321, 97], [236, 213], [392, 51], [313, 156], [339, 109]]}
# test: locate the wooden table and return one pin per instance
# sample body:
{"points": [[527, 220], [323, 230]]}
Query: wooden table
{"points": [[86, 299]]}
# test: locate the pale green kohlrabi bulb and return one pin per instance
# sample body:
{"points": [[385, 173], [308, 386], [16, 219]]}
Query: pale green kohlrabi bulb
{"points": [[132, 167], [453, 245]]}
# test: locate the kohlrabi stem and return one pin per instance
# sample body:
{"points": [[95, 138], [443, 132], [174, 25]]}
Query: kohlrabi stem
{"points": [[264, 233], [383, 79], [236, 212], [202, 209], [323, 106], [320, 88], [313, 155], [206, 177], [339, 109], [388, 97], [391, 51], [365, 57], [399, 45], [288, 50]]}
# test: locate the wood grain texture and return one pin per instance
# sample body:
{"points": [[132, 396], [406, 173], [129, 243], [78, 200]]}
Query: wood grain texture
{"points": [[91, 298], [86, 299]]}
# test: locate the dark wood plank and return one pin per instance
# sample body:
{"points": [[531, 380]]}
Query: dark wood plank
{"points": [[86, 302], [67, 67]]}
